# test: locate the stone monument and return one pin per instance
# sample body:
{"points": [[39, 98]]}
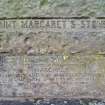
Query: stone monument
{"points": [[52, 52]]}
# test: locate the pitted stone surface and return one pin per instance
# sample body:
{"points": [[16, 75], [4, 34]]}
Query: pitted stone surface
{"points": [[55, 102], [52, 58], [52, 76], [52, 8], [52, 36]]}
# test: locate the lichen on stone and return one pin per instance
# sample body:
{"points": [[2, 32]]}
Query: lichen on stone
{"points": [[21, 8]]}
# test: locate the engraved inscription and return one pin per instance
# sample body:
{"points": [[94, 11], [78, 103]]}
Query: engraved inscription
{"points": [[52, 76], [52, 36], [52, 58]]}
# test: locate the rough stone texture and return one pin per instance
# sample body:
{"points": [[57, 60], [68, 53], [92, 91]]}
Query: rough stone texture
{"points": [[52, 77], [65, 8], [52, 36], [55, 102], [73, 61]]}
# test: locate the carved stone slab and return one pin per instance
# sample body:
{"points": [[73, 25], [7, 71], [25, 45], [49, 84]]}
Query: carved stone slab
{"points": [[52, 77], [52, 36], [52, 58], [52, 52]]}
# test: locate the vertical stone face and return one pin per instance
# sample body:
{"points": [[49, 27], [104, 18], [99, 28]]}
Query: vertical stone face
{"points": [[52, 77], [52, 49], [52, 36]]}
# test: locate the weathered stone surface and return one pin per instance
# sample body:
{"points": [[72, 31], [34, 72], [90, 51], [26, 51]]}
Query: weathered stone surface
{"points": [[55, 102], [52, 36], [72, 65], [64, 8], [52, 76], [73, 61]]}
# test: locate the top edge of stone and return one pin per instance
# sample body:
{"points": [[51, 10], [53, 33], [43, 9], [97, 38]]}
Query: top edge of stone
{"points": [[52, 8]]}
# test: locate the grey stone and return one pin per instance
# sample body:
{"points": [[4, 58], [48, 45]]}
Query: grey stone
{"points": [[52, 77], [38, 59], [51, 8], [52, 36], [55, 102]]}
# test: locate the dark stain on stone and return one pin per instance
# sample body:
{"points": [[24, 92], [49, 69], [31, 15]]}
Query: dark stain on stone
{"points": [[2, 63], [26, 39], [20, 34], [55, 102]]}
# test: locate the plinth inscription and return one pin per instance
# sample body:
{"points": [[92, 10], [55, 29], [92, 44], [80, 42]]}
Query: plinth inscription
{"points": [[52, 76], [52, 58], [51, 36]]}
